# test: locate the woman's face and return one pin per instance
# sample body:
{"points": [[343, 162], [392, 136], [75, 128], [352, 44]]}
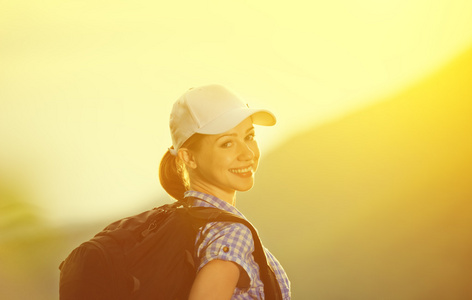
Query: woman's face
{"points": [[226, 162]]}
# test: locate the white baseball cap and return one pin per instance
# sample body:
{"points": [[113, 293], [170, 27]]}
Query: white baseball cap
{"points": [[211, 109]]}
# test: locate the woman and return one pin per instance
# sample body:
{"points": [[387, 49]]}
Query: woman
{"points": [[214, 154]]}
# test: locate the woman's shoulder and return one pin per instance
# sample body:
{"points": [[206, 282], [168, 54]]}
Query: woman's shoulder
{"points": [[228, 233], [226, 241], [231, 228]]}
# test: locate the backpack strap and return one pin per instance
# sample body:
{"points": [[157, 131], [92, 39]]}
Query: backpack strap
{"points": [[203, 215]]}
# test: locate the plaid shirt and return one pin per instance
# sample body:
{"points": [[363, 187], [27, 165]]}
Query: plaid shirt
{"points": [[233, 242]]}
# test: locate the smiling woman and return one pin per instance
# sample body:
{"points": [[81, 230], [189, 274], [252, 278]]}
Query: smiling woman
{"points": [[224, 163], [214, 155]]}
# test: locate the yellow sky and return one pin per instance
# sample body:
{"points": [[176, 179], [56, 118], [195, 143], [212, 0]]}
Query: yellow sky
{"points": [[86, 86]]}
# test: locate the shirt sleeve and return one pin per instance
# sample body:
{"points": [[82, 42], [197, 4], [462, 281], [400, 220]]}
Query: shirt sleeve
{"points": [[229, 242]]}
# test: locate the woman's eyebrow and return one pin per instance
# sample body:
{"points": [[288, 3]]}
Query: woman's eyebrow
{"points": [[224, 135], [235, 134]]}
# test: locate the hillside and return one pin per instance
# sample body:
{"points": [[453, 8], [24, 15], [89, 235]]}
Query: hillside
{"points": [[376, 205]]}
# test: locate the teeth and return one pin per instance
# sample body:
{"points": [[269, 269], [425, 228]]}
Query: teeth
{"points": [[238, 171]]}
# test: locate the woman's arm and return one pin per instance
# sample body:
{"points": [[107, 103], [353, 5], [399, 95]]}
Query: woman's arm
{"points": [[215, 281]]}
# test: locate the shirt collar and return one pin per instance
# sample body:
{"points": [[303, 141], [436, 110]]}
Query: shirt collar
{"points": [[206, 200]]}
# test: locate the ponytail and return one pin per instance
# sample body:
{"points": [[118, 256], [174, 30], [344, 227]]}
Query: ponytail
{"points": [[171, 176]]}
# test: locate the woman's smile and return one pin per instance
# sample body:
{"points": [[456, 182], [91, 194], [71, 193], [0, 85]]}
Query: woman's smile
{"points": [[244, 172]]}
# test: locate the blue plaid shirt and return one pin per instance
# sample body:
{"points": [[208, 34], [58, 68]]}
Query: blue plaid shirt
{"points": [[233, 242]]}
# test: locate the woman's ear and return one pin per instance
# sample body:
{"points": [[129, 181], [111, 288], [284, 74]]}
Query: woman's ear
{"points": [[187, 157]]}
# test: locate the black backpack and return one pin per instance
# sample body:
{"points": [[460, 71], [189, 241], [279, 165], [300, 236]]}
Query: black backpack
{"points": [[148, 256]]}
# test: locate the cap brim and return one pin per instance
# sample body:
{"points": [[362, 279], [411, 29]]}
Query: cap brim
{"points": [[231, 119]]}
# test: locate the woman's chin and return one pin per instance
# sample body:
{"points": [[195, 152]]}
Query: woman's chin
{"points": [[245, 188]]}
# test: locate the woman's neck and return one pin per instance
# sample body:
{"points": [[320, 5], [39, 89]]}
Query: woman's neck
{"points": [[227, 196]]}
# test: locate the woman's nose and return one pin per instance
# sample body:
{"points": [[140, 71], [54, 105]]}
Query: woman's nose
{"points": [[245, 152]]}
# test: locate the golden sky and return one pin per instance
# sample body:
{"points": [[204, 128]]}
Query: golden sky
{"points": [[86, 86]]}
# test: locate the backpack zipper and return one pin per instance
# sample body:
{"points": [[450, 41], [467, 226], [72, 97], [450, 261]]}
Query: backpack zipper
{"points": [[150, 228]]}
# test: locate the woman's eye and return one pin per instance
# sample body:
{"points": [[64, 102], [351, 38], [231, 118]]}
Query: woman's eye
{"points": [[250, 137], [227, 144]]}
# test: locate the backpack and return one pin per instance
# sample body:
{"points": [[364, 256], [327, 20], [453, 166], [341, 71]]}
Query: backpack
{"points": [[148, 256]]}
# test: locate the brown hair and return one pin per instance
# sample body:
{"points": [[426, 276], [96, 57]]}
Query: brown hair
{"points": [[172, 172]]}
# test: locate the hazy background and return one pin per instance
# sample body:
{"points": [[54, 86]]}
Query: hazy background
{"points": [[364, 190]]}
